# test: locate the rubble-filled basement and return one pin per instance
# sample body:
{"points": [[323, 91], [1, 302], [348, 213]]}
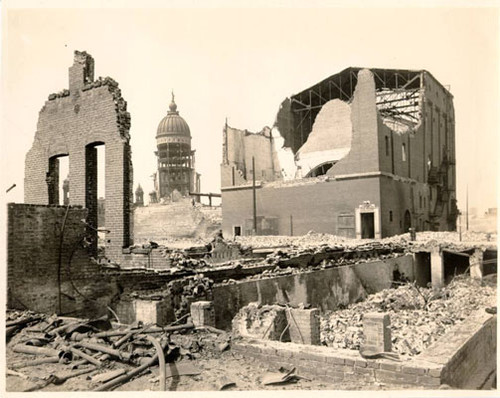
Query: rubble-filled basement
{"points": [[89, 309], [310, 312]]}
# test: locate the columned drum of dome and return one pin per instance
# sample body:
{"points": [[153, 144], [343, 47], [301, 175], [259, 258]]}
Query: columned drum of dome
{"points": [[175, 157]]}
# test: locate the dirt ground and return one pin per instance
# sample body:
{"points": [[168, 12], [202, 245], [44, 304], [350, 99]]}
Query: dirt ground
{"points": [[229, 367]]}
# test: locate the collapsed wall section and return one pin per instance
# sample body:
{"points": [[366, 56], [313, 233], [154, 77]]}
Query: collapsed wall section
{"points": [[73, 123], [239, 147], [330, 138], [363, 155]]}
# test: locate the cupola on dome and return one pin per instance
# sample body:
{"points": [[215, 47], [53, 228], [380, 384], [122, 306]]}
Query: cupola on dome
{"points": [[173, 124]]}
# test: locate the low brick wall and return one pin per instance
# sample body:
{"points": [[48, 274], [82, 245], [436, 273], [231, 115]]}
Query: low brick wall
{"points": [[456, 359], [330, 365], [467, 352]]}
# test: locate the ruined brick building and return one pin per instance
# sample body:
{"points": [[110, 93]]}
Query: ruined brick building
{"points": [[74, 123], [374, 151]]}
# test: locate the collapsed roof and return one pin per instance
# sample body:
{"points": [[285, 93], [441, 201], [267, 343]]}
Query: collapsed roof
{"points": [[398, 98]]}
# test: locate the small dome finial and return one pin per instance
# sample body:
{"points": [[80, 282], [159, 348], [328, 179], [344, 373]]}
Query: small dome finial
{"points": [[173, 105]]}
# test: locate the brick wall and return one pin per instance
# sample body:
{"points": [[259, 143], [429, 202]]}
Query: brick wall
{"points": [[72, 123], [33, 247], [468, 352], [304, 326], [363, 156], [240, 147], [323, 363], [462, 358], [313, 207]]}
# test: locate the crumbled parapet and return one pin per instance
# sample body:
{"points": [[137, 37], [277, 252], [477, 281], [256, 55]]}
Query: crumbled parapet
{"points": [[61, 94]]}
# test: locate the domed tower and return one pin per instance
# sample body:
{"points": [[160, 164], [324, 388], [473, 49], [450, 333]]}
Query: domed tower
{"points": [[139, 196], [175, 157]]}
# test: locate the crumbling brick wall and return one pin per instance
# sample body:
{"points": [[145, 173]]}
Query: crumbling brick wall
{"points": [[239, 147], [44, 246], [73, 122]]}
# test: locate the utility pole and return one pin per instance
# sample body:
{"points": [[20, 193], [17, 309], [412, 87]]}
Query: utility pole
{"points": [[254, 198], [460, 226], [467, 208]]}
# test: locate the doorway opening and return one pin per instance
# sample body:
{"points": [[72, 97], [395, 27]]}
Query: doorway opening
{"points": [[56, 178], [94, 186], [406, 221], [368, 225], [237, 230]]}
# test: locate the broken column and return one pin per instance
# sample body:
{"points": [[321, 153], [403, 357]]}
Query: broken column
{"points": [[304, 326], [475, 263], [377, 332], [437, 269], [151, 311], [203, 313]]}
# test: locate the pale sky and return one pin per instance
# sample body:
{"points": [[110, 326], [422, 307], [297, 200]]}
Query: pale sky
{"points": [[240, 64]]}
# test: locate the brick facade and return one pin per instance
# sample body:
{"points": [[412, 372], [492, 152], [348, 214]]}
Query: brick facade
{"points": [[72, 123]]}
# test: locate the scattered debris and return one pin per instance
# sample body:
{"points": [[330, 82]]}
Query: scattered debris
{"points": [[112, 353], [257, 321], [284, 376], [419, 316], [225, 384]]}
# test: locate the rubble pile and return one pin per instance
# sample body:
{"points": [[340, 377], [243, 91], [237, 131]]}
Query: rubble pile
{"points": [[203, 343], [180, 262], [426, 239], [419, 316], [187, 290], [260, 322], [65, 348], [278, 271], [181, 293], [100, 355]]}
